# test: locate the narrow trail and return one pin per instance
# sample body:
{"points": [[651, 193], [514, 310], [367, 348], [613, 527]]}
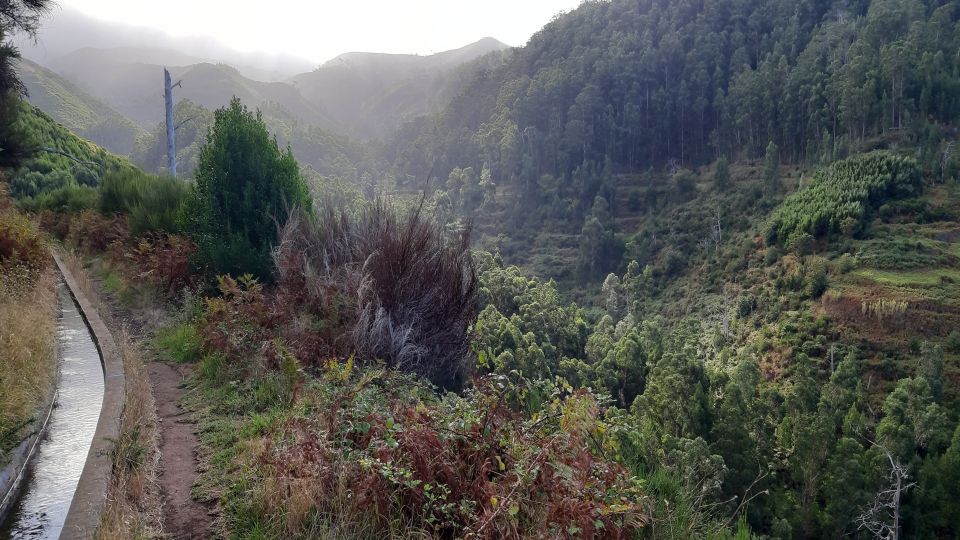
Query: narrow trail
{"points": [[183, 517]]}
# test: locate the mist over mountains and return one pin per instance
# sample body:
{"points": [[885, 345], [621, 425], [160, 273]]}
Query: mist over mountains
{"points": [[66, 30], [360, 94]]}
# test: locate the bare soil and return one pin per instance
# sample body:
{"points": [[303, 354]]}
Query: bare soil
{"points": [[183, 517]]}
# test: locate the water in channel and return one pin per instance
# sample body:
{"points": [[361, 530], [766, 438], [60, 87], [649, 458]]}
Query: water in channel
{"points": [[55, 469]]}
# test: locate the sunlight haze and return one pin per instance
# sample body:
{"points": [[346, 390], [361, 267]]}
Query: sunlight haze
{"points": [[321, 30]]}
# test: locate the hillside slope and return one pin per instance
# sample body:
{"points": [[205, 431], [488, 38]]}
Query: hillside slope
{"points": [[78, 111], [651, 88], [369, 94], [326, 153], [133, 87], [66, 29]]}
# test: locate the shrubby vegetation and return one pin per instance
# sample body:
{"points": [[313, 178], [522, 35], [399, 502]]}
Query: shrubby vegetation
{"points": [[151, 203], [245, 185], [771, 364], [406, 288], [840, 198], [27, 316]]}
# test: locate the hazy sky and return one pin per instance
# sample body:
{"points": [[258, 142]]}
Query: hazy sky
{"points": [[320, 29]]}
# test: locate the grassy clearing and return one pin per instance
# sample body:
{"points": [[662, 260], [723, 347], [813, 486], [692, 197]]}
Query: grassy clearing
{"points": [[910, 278], [29, 350]]}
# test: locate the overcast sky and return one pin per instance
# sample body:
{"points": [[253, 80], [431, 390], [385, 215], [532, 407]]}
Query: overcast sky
{"points": [[318, 30]]}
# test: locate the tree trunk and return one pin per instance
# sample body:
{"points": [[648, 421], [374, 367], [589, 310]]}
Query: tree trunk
{"points": [[171, 128]]}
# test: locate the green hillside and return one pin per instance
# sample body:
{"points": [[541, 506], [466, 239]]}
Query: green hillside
{"points": [[78, 111], [63, 163], [673, 269], [626, 87]]}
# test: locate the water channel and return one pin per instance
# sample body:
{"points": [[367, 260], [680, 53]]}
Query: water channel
{"points": [[54, 471]]}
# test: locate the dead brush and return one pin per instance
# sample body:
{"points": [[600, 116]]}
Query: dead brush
{"points": [[28, 366], [409, 286], [132, 509], [470, 467], [28, 350]]}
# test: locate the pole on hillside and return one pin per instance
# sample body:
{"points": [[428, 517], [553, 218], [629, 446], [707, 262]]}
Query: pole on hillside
{"points": [[171, 128]]}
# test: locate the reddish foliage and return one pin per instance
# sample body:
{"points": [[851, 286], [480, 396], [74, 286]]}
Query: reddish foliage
{"points": [[55, 223], [241, 322], [491, 478], [162, 261], [93, 233]]}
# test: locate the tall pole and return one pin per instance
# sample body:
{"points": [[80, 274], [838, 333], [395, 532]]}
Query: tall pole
{"points": [[171, 128]]}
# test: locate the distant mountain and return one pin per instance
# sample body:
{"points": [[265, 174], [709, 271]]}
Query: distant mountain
{"points": [[78, 111], [135, 88], [372, 93], [66, 30], [126, 55], [360, 94]]}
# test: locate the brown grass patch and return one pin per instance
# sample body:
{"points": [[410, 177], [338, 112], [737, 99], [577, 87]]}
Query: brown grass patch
{"points": [[133, 499], [28, 343]]}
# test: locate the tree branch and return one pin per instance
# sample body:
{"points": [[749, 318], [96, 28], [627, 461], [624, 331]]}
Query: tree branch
{"points": [[178, 126], [68, 156]]}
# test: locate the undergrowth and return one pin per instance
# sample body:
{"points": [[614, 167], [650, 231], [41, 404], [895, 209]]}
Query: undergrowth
{"points": [[28, 305]]}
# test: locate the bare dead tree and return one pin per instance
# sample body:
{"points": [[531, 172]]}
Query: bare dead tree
{"points": [[882, 517], [171, 128], [945, 160], [717, 231]]}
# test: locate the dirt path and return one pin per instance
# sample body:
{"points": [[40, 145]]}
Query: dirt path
{"points": [[183, 517]]}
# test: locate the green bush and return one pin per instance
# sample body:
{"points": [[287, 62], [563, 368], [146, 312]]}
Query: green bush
{"points": [[181, 342], [953, 342], [67, 199], [151, 202], [800, 243], [817, 279]]}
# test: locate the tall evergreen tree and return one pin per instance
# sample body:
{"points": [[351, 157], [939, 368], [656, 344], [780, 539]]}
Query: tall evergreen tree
{"points": [[245, 187]]}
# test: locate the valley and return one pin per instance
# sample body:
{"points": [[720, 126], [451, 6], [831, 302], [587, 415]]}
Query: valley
{"points": [[665, 270]]}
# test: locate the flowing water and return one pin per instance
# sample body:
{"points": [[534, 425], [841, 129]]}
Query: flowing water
{"points": [[55, 469]]}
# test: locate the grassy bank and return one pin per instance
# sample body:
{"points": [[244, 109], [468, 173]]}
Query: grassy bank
{"points": [[28, 348], [28, 342]]}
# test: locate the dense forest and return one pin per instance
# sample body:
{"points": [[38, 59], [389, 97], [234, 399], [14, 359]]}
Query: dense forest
{"points": [[631, 86], [713, 288]]}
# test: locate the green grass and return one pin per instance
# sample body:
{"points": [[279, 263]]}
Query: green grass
{"points": [[112, 282], [910, 278], [181, 342]]}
